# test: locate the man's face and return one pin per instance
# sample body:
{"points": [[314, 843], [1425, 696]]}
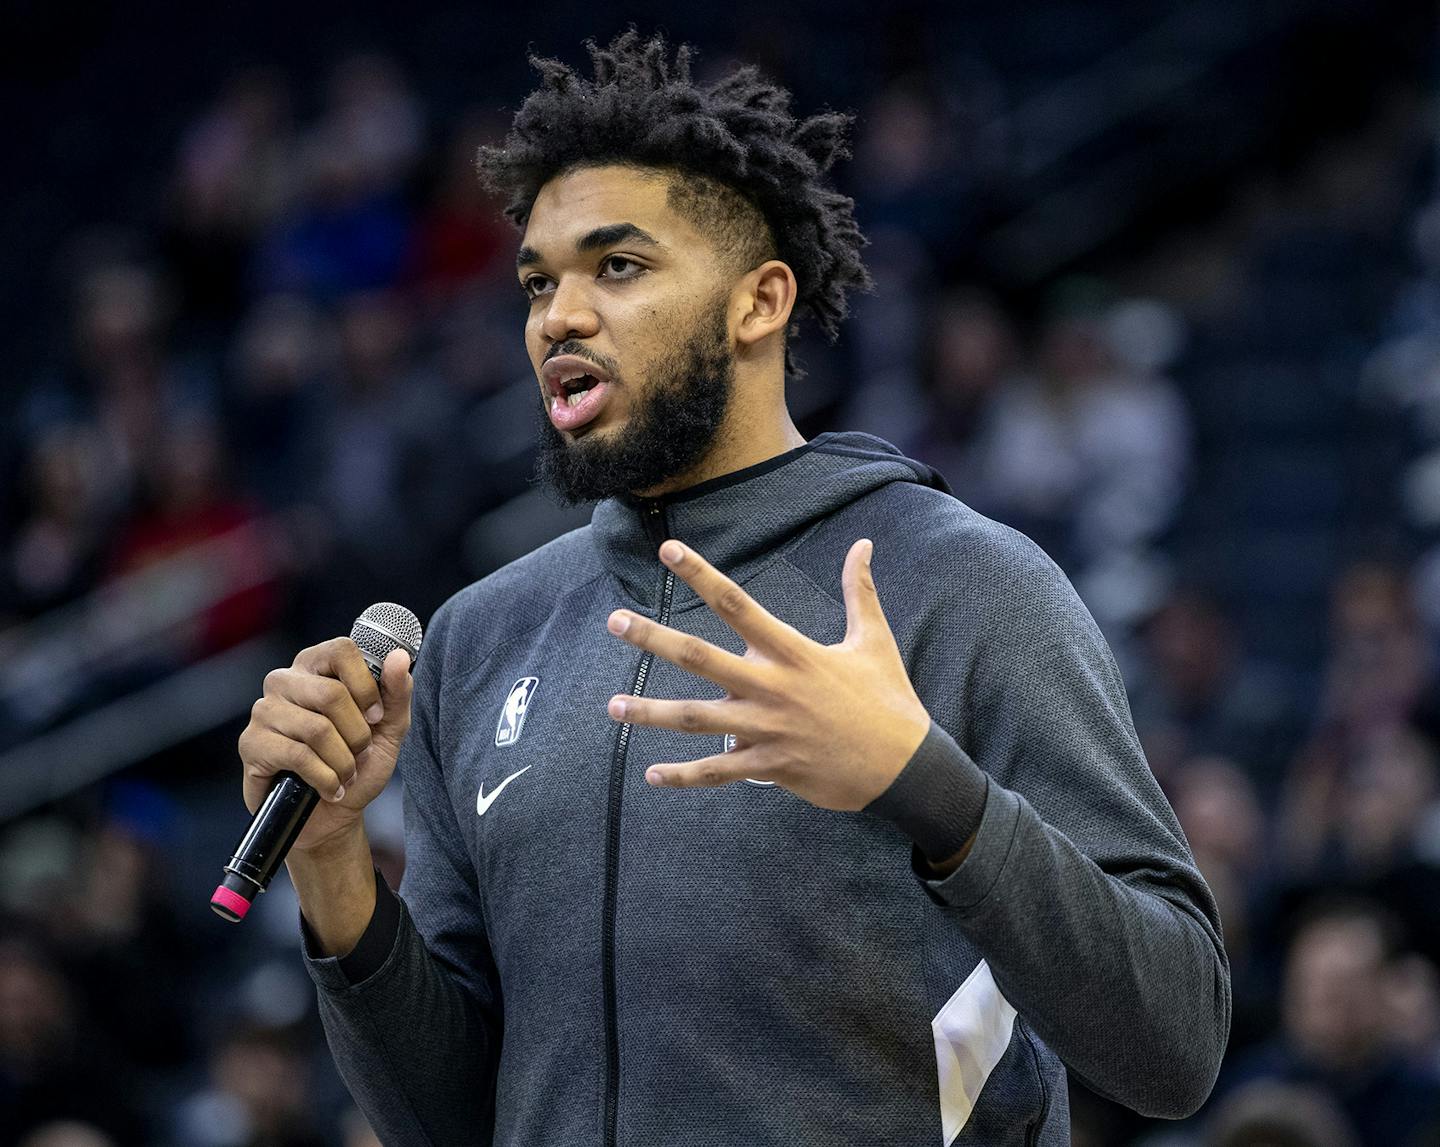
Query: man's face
{"points": [[628, 313], [1335, 978]]}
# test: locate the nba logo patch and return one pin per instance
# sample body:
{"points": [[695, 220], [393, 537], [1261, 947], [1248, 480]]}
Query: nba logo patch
{"points": [[512, 716]]}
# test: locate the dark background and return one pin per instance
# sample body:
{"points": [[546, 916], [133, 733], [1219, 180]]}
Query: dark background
{"points": [[1157, 283]]}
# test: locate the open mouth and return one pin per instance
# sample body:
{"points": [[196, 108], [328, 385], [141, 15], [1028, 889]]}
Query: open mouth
{"points": [[575, 390]]}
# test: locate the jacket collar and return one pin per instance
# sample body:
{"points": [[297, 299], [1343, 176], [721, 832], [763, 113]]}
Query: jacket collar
{"points": [[739, 521]]}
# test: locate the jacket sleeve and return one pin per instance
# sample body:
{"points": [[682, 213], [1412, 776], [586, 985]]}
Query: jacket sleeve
{"points": [[1079, 888], [417, 1039]]}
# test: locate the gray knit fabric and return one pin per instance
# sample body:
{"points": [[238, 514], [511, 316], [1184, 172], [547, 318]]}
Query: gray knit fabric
{"points": [[778, 967], [938, 798]]}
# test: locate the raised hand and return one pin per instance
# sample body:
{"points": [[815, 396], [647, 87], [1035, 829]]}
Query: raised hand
{"points": [[834, 724]]}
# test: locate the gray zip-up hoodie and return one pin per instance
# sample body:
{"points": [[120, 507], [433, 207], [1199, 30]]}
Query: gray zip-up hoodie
{"points": [[578, 958]]}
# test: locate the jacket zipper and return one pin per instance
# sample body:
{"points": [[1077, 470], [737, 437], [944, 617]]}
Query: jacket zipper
{"points": [[657, 527]]}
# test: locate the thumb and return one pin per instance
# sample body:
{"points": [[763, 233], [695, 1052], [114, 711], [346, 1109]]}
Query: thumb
{"points": [[396, 685], [863, 615]]}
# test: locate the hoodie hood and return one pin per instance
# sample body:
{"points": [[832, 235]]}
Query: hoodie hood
{"points": [[738, 522]]}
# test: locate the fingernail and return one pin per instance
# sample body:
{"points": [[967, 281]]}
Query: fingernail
{"points": [[339, 794], [375, 712], [617, 706], [619, 623], [654, 777], [869, 550], [672, 551]]}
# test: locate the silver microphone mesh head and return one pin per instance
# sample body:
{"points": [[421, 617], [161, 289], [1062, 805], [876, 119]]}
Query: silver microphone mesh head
{"points": [[383, 627]]}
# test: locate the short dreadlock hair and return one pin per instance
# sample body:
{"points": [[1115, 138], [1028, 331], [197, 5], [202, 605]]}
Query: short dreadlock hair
{"points": [[742, 167]]}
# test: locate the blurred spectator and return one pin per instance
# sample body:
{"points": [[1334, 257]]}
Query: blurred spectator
{"points": [[234, 173], [1220, 812], [477, 351], [282, 356], [1355, 818], [344, 237], [350, 229], [1197, 692], [186, 504], [55, 555], [1219, 808], [489, 462], [377, 118], [123, 380], [909, 175], [258, 1095], [385, 450], [1391, 788], [972, 356], [52, 1065], [387, 412], [892, 336], [1413, 1002], [39, 857], [1337, 1034], [118, 936], [1088, 456], [1379, 667], [461, 235]]}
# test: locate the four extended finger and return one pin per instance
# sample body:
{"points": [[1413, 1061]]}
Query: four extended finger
{"points": [[690, 653]]}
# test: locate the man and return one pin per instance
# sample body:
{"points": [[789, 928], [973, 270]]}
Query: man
{"points": [[1337, 1032], [854, 857]]}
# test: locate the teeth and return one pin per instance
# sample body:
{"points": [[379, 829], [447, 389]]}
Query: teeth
{"points": [[574, 399]]}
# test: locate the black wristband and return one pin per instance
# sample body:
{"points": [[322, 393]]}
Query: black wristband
{"points": [[938, 798]]}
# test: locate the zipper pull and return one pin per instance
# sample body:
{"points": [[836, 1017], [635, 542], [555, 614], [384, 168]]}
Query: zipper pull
{"points": [[655, 522]]}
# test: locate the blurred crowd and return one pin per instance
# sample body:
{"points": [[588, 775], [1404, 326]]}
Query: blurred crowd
{"points": [[304, 389]]}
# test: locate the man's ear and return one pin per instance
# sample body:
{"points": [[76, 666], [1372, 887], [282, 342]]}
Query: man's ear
{"points": [[764, 299]]}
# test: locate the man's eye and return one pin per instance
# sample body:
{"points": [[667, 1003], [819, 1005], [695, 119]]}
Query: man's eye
{"points": [[534, 285], [621, 267]]}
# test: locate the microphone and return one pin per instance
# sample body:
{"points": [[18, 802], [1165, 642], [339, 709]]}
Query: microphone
{"points": [[379, 630]]}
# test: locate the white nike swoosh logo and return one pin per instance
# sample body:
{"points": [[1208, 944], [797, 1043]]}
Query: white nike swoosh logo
{"points": [[482, 802]]}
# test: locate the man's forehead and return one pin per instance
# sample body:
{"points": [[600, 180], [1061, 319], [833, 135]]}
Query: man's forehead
{"points": [[578, 201]]}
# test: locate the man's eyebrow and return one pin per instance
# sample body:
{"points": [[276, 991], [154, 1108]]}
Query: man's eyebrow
{"points": [[616, 233], [605, 236]]}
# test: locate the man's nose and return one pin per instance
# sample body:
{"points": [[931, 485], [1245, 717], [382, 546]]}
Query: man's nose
{"points": [[571, 313]]}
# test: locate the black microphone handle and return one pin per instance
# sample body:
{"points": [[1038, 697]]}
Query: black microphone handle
{"points": [[262, 849]]}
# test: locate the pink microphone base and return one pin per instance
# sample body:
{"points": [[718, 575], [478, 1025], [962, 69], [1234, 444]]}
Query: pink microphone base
{"points": [[228, 904]]}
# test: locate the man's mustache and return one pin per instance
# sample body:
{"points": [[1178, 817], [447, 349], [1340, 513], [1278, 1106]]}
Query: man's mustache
{"points": [[580, 350]]}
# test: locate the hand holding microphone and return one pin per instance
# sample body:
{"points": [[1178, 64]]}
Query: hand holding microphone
{"points": [[330, 728]]}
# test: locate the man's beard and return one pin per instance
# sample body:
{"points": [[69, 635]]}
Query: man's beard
{"points": [[667, 433]]}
